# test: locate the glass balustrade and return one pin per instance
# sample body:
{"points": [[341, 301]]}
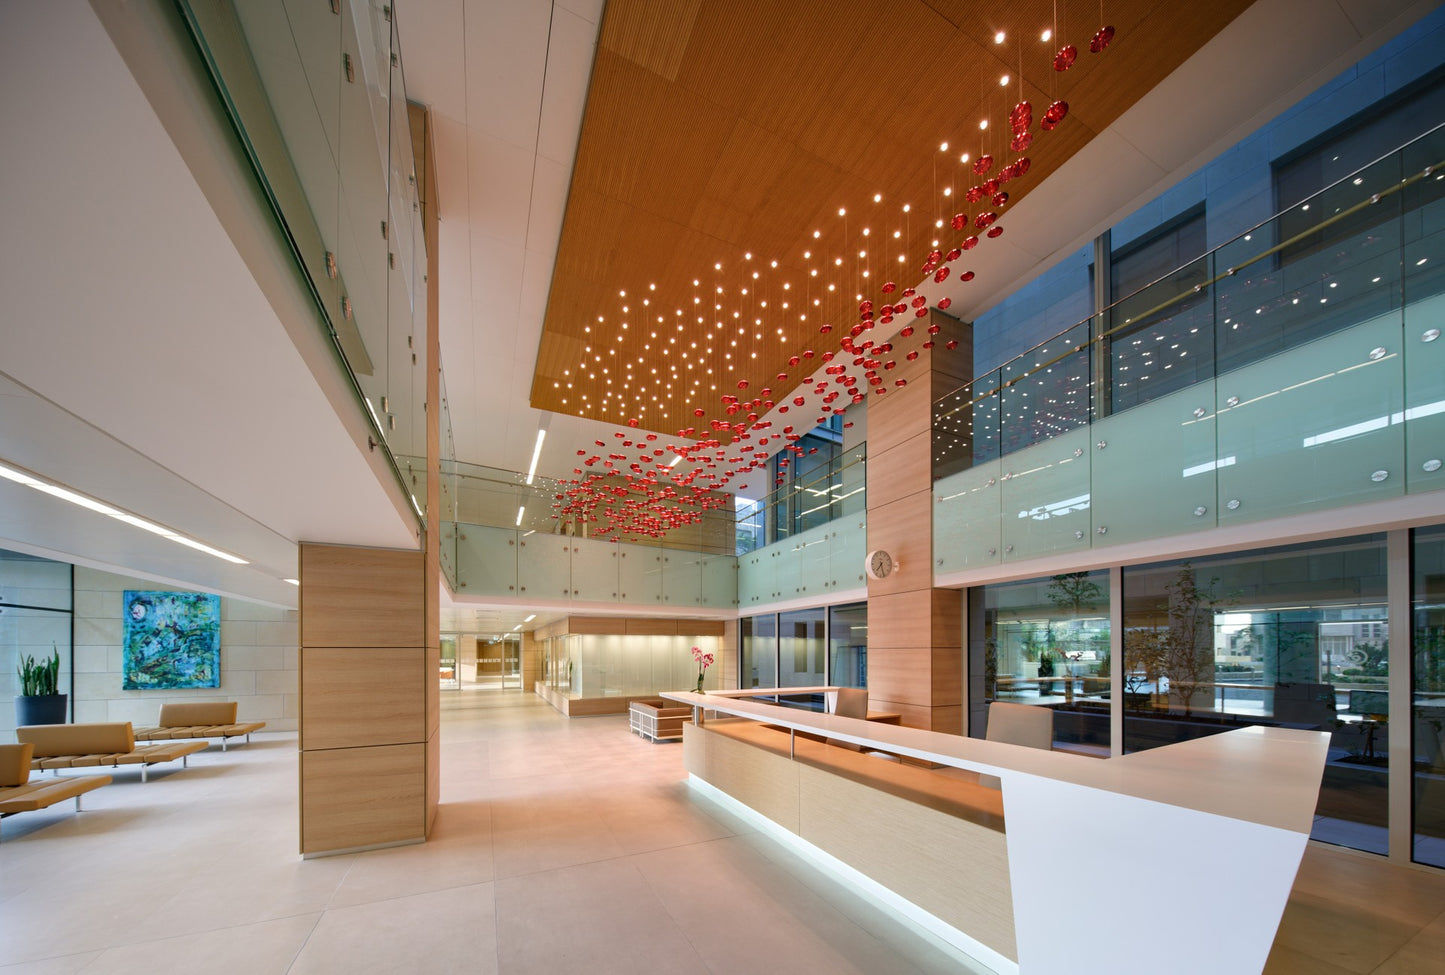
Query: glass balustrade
{"points": [[1293, 369], [316, 94]]}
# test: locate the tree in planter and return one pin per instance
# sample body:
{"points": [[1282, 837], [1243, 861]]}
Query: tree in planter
{"points": [[1181, 647], [1187, 643]]}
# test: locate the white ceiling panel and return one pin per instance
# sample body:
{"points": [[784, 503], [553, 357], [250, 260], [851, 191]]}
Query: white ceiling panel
{"points": [[433, 52], [569, 67], [499, 187], [133, 318], [506, 54]]}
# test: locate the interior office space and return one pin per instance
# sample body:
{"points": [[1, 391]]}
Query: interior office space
{"points": [[1156, 474]]}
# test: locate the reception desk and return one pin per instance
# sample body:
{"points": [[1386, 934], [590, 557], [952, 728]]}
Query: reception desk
{"points": [[1176, 859]]}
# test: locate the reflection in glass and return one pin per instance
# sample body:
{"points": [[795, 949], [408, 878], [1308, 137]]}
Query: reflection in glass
{"points": [[801, 648], [36, 596], [1428, 696], [1294, 636], [848, 645], [758, 664], [1046, 642]]}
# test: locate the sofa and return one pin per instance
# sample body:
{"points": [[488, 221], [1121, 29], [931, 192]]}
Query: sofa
{"points": [[18, 794], [58, 746], [199, 719]]}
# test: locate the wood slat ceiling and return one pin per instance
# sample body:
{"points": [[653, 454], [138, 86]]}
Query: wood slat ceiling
{"points": [[718, 129]]}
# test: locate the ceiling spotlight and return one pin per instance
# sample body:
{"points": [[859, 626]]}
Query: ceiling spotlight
{"points": [[998, 38], [1046, 36]]}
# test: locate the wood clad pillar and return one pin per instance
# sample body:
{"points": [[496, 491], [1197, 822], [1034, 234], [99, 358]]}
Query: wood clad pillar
{"points": [[371, 643], [366, 678], [915, 632]]}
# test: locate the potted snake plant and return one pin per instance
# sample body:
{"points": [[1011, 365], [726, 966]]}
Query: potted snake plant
{"points": [[40, 700]]}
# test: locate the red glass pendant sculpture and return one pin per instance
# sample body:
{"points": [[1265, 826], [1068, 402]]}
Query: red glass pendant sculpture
{"points": [[1064, 60], [1101, 39]]}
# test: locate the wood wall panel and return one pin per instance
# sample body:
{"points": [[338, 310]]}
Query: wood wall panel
{"points": [[914, 851], [431, 682], [433, 779], [896, 417], [361, 597], [353, 697], [601, 625], [897, 470], [901, 675], [900, 620], [760, 779], [652, 627], [905, 529], [531, 659], [912, 715], [947, 613], [355, 797]]}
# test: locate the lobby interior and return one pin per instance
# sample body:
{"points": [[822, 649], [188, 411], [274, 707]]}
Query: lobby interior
{"points": [[178, 352]]}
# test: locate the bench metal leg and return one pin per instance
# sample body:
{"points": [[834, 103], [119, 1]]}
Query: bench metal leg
{"points": [[143, 769]]}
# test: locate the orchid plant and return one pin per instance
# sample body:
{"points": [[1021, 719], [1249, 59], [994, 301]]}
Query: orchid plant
{"points": [[704, 661]]}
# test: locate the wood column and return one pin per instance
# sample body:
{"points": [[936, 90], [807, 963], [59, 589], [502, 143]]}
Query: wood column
{"points": [[915, 632], [366, 678]]}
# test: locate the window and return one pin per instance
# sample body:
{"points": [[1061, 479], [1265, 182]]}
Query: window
{"points": [[1294, 636], [1045, 642]]}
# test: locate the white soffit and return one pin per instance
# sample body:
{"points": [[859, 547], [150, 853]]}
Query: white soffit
{"points": [[128, 308]]}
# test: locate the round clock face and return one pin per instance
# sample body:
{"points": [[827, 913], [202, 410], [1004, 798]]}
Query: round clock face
{"points": [[880, 564]]}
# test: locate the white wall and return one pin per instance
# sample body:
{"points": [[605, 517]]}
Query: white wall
{"points": [[259, 658]]}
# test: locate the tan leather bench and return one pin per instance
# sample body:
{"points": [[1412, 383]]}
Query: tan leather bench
{"points": [[199, 719], [59, 746], [18, 794]]}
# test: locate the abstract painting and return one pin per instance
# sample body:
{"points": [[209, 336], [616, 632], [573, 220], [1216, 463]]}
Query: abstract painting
{"points": [[172, 639]]}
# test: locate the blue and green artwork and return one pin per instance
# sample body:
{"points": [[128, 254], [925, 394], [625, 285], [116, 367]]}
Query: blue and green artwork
{"points": [[172, 639]]}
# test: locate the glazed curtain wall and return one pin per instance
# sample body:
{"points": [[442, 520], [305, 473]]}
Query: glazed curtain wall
{"points": [[825, 645], [1294, 636], [1428, 696], [1046, 642], [36, 613]]}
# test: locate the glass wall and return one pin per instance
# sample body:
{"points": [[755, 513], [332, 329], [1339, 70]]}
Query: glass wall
{"points": [[36, 603], [1295, 636], [802, 648], [1428, 697], [848, 645], [613, 665], [1045, 642], [758, 656], [805, 648]]}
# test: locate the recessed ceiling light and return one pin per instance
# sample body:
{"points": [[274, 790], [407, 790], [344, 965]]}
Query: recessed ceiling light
{"points": [[65, 494]]}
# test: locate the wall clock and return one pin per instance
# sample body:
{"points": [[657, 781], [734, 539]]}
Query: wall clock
{"points": [[880, 564]]}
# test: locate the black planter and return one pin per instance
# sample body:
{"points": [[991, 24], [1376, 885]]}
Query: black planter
{"points": [[40, 709]]}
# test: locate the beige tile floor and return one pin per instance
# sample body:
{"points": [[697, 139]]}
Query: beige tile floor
{"points": [[562, 846]]}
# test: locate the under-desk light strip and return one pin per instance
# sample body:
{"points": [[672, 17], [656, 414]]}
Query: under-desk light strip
{"points": [[100, 507]]}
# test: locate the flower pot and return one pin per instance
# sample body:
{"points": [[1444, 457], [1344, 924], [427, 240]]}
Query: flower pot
{"points": [[40, 709]]}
